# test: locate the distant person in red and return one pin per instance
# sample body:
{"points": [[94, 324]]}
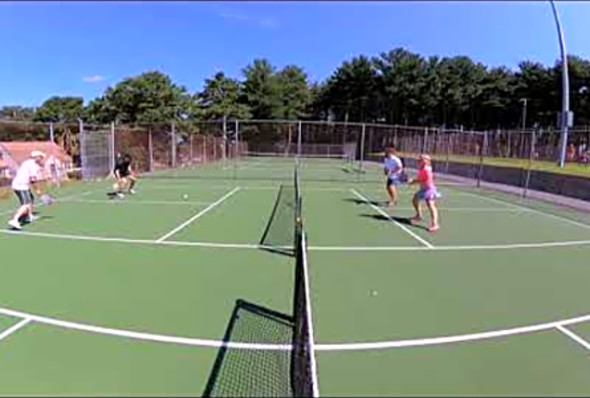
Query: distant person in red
{"points": [[427, 193]]}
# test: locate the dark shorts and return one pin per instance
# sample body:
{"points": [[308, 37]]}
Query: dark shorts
{"points": [[25, 197], [123, 173]]}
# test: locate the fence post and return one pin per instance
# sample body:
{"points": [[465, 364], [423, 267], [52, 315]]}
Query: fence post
{"points": [[530, 165], [204, 149], [424, 140], [236, 146], [482, 153], [299, 139], [151, 150], [448, 150], [173, 139], [224, 129], [51, 133], [112, 146], [83, 150], [191, 151], [362, 154]]}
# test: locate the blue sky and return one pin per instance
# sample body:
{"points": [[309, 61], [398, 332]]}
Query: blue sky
{"points": [[80, 48]]}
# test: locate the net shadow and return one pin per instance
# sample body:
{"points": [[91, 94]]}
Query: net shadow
{"points": [[248, 372], [278, 236]]}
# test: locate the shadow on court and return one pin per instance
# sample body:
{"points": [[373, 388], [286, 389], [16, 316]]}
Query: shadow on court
{"points": [[407, 221], [251, 372], [364, 202]]}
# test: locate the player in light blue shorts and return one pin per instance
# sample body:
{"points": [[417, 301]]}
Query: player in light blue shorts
{"points": [[393, 168]]}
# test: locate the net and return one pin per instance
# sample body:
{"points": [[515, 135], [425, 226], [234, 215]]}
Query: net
{"points": [[303, 375]]}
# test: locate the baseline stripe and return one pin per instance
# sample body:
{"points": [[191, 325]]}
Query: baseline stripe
{"points": [[379, 345]]}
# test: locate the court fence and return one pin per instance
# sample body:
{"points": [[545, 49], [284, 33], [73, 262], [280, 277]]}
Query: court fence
{"points": [[526, 159]]}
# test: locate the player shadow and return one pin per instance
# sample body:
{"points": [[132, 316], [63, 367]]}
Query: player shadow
{"points": [[249, 371], [364, 202], [407, 221]]}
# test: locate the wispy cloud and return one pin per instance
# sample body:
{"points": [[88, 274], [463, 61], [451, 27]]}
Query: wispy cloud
{"points": [[268, 23], [229, 15], [93, 79]]}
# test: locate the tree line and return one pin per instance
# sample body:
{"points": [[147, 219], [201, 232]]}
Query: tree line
{"points": [[395, 87]]}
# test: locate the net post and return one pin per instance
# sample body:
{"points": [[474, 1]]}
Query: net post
{"points": [[173, 143], [151, 149]]}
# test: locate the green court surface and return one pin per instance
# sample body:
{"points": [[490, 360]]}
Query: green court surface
{"points": [[171, 295]]}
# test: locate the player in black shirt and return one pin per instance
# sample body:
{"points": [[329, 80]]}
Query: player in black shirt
{"points": [[124, 175]]}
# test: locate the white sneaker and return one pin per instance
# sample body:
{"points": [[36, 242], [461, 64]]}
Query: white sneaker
{"points": [[132, 191], [15, 224], [120, 195], [31, 218]]}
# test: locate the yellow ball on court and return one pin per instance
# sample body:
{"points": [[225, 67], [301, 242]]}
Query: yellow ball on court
{"points": [[185, 196]]}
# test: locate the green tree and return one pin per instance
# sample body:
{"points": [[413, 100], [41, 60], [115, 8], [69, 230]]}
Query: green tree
{"points": [[352, 91], [293, 92], [262, 90], [17, 113], [151, 97], [222, 97], [60, 109]]}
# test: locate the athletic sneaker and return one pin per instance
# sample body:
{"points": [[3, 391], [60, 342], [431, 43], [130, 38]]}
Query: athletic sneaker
{"points": [[416, 219], [15, 224], [31, 218], [132, 191], [433, 228], [120, 195]]}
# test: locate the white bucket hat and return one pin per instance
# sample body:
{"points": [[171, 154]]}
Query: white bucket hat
{"points": [[37, 154]]}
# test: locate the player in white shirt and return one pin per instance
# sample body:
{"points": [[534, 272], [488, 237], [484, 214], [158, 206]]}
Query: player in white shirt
{"points": [[393, 168], [27, 175]]}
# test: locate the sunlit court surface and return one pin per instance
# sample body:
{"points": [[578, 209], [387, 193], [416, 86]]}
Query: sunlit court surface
{"points": [[217, 199], [206, 284]]}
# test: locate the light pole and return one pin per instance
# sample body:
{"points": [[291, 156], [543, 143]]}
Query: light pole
{"points": [[565, 92]]}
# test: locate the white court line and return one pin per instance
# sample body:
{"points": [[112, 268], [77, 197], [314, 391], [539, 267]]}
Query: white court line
{"points": [[14, 328], [139, 202], [312, 345], [59, 199], [403, 227], [471, 209], [573, 336], [378, 345], [198, 215], [549, 215], [253, 246], [140, 335]]}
